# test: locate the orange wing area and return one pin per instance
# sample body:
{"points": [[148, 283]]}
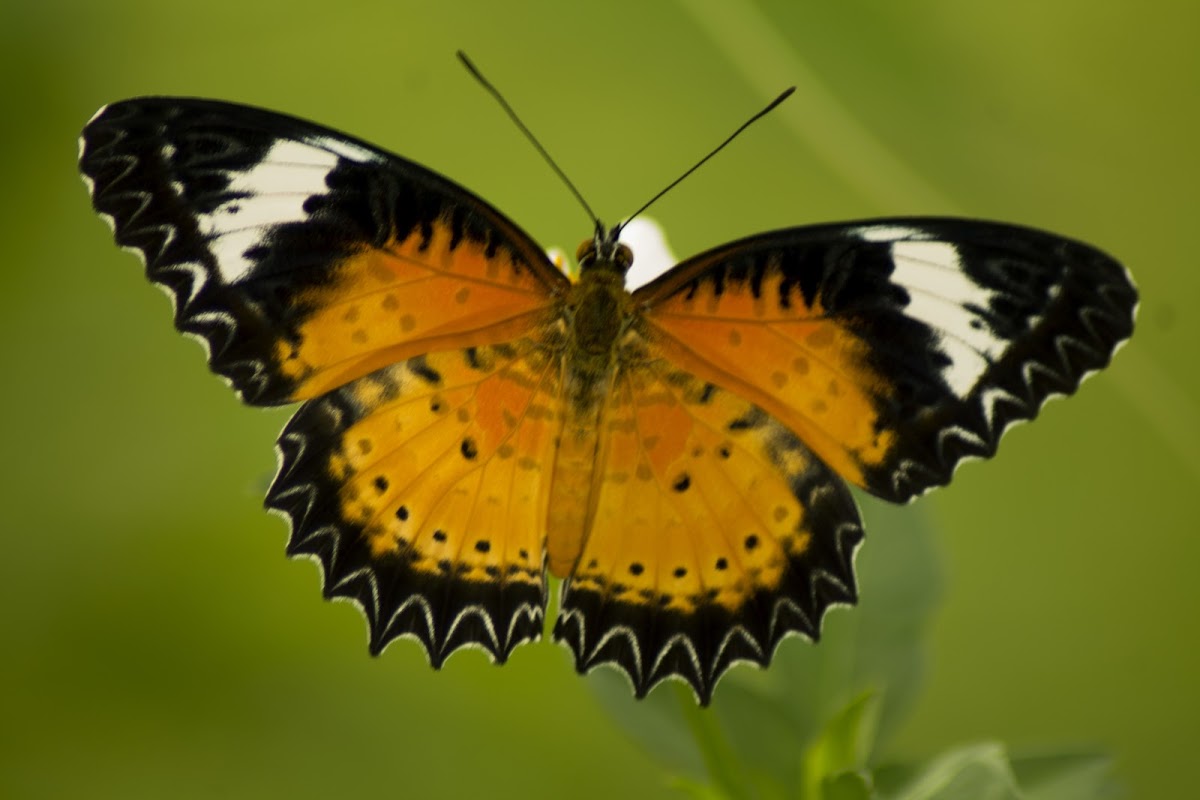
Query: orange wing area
{"points": [[894, 348], [806, 367], [714, 533], [302, 258], [427, 293], [422, 491]]}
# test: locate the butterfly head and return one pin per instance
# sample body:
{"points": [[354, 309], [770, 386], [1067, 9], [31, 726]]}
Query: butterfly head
{"points": [[604, 253]]}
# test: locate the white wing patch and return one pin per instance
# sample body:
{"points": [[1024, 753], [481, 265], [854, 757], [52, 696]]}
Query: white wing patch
{"points": [[887, 233], [340, 147], [648, 241], [944, 297], [270, 193]]}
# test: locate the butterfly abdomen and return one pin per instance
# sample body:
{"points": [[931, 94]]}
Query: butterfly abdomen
{"points": [[570, 491]]}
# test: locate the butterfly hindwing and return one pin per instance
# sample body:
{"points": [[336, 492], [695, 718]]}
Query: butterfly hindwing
{"points": [[422, 491], [302, 257], [895, 348], [715, 532]]}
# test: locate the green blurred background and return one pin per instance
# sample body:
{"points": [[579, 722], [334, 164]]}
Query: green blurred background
{"points": [[155, 641]]}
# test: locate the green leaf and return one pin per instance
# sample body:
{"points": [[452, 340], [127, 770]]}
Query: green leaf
{"points": [[657, 723], [901, 586], [847, 786], [972, 772], [835, 764]]}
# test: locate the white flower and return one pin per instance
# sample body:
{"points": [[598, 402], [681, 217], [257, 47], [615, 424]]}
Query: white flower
{"points": [[652, 255]]}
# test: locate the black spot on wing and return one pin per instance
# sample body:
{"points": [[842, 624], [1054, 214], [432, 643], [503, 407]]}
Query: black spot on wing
{"points": [[753, 418], [419, 366]]}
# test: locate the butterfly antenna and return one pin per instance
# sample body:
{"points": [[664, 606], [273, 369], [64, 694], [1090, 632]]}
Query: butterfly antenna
{"points": [[784, 96], [529, 135]]}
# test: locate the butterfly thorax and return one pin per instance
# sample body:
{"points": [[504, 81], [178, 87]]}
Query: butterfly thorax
{"points": [[597, 312]]}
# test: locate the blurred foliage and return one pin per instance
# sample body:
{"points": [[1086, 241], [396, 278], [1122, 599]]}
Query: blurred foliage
{"points": [[816, 724], [156, 642]]}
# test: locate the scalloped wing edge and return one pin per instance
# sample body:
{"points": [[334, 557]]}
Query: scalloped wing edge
{"points": [[796, 608]]}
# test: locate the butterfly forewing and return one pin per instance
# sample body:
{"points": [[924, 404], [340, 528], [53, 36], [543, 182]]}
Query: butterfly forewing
{"points": [[303, 258], [895, 348]]}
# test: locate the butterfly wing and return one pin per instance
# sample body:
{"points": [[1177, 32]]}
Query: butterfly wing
{"points": [[301, 257], [412, 316], [422, 491], [760, 373], [895, 348], [716, 532]]}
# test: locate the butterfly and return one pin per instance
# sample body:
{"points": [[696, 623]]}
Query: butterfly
{"points": [[472, 420]]}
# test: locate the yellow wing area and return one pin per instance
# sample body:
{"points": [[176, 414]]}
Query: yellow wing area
{"points": [[429, 292], [687, 510], [804, 367], [714, 533], [423, 490]]}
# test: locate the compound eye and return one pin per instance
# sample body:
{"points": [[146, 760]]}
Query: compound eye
{"points": [[623, 257], [586, 251]]}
